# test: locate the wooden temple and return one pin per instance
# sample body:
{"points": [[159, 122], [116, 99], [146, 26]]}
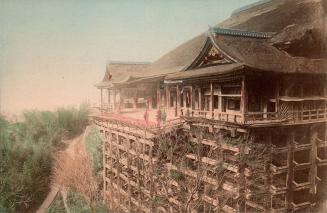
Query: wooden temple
{"points": [[244, 127]]}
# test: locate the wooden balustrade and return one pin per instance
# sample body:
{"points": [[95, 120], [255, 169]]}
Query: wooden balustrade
{"points": [[295, 116]]}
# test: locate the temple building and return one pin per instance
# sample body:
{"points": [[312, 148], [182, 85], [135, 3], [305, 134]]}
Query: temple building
{"points": [[233, 120]]}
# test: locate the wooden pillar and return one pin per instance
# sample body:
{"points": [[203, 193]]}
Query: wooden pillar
{"points": [[184, 98], [129, 181], [200, 98], [277, 97], [104, 174], [111, 154], [114, 99], [167, 91], [178, 100], [242, 180], [108, 90], [290, 171], [265, 109], [244, 101], [211, 100], [158, 98], [134, 102], [118, 183], [313, 167], [220, 100], [139, 199], [193, 97], [101, 100], [120, 100]]}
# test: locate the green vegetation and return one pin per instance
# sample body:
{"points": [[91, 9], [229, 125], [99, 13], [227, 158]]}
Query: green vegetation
{"points": [[57, 205], [76, 203], [93, 144], [26, 154], [176, 175]]}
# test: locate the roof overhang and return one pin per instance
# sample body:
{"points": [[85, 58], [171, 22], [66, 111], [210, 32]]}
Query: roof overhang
{"points": [[206, 72], [104, 85]]}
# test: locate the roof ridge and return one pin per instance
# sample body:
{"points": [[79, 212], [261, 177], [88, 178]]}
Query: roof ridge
{"points": [[250, 6], [241, 33], [129, 62]]}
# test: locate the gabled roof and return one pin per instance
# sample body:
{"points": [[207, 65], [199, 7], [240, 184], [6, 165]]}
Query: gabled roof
{"points": [[275, 15], [174, 61], [261, 55], [249, 50], [119, 72], [246, 37]]}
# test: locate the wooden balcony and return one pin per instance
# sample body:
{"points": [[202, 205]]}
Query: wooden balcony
{"points": [[213, 115], [259, 118]]}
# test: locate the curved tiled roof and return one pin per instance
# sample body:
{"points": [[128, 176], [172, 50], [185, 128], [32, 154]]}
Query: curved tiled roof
{"points": [[174, 61], [118, 72], [261, 55], [275, 15], [206, 72], [270, 16]]}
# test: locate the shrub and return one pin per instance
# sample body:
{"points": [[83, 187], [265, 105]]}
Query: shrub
{"points": [[93, 145], [26, 150]]}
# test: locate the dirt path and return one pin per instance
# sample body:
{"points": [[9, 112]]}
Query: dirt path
{"points": [[49, 199], [75, 145]]}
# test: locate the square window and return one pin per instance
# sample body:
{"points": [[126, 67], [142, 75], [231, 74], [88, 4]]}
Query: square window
{"points": [[233, 104]]}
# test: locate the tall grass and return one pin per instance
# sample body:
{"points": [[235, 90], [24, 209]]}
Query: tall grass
{"points": [[93, 145], [26, 154]]}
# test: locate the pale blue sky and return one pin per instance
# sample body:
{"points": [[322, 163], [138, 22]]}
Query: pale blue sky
{"points": [[52, 52]]}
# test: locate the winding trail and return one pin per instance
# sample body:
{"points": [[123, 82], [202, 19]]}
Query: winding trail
{"points": [[75, 145]]}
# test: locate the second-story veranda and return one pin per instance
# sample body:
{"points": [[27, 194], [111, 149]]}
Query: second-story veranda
{"points": [[236, 77]]}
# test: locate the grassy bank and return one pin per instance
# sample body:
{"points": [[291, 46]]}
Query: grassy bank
{"points": [[87, 161], [26, 154]]}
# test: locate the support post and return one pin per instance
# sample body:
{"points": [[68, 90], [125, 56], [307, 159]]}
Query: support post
{"points": [[211, 100], [265, 109], [178, 100], [313, 166], [277, 97], [244, 99], [108, 90], [184, 98], [101, 100], [290, 171], [120, 100], [134, 102], [200, 99], [193, 98], [114, 100], [158, 98], [167, 90], [220, 100]]}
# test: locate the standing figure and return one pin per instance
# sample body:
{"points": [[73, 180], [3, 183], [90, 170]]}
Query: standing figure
{"points": [[158, 117], [164, 116]]}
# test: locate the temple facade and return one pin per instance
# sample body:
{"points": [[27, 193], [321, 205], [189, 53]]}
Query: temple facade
{"points": [[229, 121]]}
